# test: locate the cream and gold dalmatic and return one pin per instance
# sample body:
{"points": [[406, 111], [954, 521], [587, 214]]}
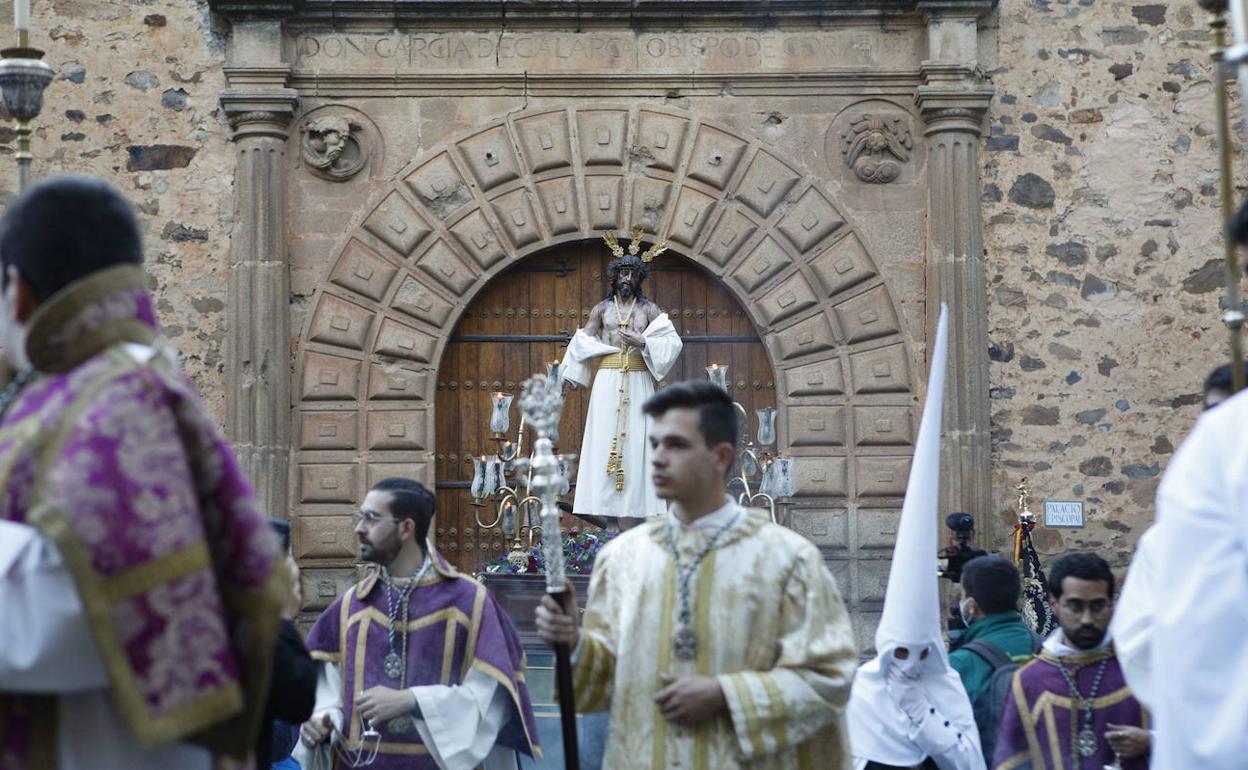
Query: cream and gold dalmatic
{"points": [[771, 626]]}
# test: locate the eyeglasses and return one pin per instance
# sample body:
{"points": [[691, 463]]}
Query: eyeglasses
{"points": [[370, 518]]}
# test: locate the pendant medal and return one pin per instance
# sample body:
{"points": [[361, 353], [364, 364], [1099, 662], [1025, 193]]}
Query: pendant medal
{"points": [[401, 724], [393, 666], [1086, 742], [685, 643]]}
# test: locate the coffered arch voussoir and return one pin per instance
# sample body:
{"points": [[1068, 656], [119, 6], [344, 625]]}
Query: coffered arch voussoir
{"points": [[470, 208]]}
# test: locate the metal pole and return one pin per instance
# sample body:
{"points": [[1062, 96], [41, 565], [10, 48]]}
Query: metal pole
{"points": [[542, 403], [1234, 316]]}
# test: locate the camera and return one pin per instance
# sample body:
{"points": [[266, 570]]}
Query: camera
{"points": [[959, 551]]}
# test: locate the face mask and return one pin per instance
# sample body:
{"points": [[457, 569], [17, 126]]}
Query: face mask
{"points": [[964, 612]]}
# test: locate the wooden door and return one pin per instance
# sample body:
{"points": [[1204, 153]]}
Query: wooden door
{"points": [[522, 320]]}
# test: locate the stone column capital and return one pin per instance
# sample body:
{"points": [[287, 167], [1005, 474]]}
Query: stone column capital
{"points": [[957, 108], [953, 97], [259, 112]]}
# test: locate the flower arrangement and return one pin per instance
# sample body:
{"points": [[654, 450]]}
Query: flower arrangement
{"points": [[579, 551]]}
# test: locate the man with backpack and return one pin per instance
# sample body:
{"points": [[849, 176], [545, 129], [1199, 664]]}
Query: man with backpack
{"points": [[986, 654]]}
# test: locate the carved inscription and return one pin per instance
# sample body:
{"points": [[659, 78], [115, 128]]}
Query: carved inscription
{"points": [[619, 51]]}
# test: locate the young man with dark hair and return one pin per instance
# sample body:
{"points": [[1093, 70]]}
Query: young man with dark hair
{"points": [[990, 589], [714, 637], [417, 652], [1071, 707], [139, 585], [995, 636]]}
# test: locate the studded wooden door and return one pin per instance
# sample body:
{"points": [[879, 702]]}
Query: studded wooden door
{"points": [[520, 321]]}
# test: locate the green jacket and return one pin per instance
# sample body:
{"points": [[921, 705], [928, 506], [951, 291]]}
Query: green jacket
{"points": [[1004, 629]]}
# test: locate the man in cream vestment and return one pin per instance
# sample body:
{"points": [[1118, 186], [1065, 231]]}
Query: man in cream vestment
{"points": [[716, 639]]}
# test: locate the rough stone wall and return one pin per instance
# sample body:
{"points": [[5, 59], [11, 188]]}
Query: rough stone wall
{"points": [[135, 102], [1102, 235]]}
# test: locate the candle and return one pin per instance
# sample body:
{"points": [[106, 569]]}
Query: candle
{"points": [[21, 14]]}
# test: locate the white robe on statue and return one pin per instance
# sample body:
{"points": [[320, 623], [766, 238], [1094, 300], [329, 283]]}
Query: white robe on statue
{"points": [[595, 490], [1199, 656]]}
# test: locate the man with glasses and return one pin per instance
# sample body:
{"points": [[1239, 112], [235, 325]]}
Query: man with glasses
{"points": [[1071, 707], [419, 666]]}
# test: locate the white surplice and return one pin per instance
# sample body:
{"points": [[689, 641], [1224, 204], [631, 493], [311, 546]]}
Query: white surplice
{"points": [[1132, 626], [458, 724], [47, 648], [595, 491], [1199, 654]]}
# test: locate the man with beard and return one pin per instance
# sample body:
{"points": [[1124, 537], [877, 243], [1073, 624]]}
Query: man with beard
{"points": [[1071, 707], [637, 346], [419, 666]]}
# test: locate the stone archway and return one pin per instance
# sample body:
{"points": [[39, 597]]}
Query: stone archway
{"points": [[467, 210]]}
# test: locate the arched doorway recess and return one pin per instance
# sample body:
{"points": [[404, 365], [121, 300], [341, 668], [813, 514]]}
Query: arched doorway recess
{"points": [[521, 320], [466, 211]]}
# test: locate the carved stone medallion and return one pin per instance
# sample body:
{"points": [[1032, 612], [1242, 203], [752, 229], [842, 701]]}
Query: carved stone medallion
{"points": [[876, 146]]}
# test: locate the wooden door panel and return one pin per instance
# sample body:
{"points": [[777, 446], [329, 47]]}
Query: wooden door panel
{"points": [[518, 323]]}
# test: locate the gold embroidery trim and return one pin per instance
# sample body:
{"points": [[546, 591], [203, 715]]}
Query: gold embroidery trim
{"points": [[659, 756], [67, 304], [148, 575], [777, 712], [448, 650], [474, 628]]}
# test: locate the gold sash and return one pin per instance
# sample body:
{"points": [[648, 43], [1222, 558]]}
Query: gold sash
{"points": [[631, 362]]}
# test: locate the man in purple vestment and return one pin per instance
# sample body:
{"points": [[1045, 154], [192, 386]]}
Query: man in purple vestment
{"points": [[139, 585], [420, 667], [1070, 708]]}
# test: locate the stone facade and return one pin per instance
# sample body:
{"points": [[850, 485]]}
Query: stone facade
{"points": [[1104, 256], [386, 168], [136, 101]]}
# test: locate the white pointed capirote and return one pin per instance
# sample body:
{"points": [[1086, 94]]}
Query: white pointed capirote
{"points": [[878, 729], [912, 599]]}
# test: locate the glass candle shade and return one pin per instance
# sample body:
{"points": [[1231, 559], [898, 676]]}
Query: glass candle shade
{"points": [[500, 415], [478, 478], [766, 426], [718, 375]]}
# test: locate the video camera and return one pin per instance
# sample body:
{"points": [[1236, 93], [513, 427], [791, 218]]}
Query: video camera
{"points": [[959, 552]]}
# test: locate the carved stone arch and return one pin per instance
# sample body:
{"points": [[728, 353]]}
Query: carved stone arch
{"points": [[470, 208]]}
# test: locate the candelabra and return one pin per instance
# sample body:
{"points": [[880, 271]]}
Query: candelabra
{"points": [[772, 470], [23, 77], [502, 481]]}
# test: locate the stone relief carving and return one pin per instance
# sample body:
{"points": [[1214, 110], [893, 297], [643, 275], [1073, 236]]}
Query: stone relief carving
{"points": [[875, 147], [332, 147]]}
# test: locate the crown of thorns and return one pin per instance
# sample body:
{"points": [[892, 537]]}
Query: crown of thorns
{"points": [[634, 246]]}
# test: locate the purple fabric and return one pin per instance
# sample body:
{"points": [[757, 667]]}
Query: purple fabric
{"points": [[497, 651], [1042, 675], [137, 473]]}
